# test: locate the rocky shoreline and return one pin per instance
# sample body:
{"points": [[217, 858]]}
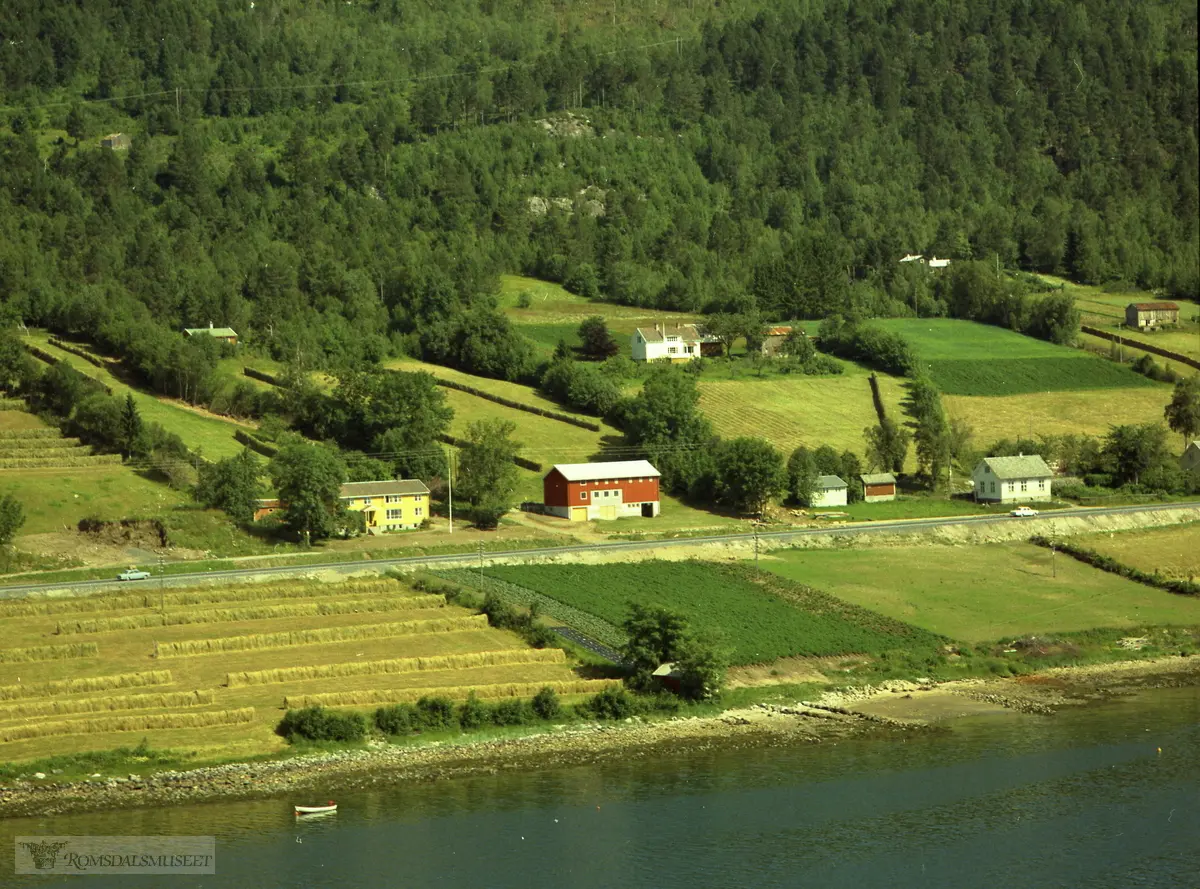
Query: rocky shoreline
{"points": [[889, 709]]}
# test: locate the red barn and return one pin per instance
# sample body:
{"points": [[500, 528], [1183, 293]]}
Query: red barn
{"points": [[583, 491]]}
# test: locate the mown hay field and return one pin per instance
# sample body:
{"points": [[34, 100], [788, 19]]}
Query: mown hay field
{"points": [[993, 417], [1174, 552], [233, 662], [982, 593], [794, 410], [965, 358], [756, 623]]}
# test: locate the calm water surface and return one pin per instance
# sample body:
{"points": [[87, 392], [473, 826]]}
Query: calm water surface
{"points": [[1079, 799]]}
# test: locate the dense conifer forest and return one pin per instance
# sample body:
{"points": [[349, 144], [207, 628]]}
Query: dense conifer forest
{"points": [[341, 181]]}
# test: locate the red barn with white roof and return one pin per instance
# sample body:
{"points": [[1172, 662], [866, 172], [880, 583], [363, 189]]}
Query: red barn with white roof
{"points": [[583, 491]]}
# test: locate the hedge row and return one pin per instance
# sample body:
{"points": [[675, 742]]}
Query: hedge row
{"points": [[518, 460], [9, 434], [520, 406], [877, 398], [254, 444], [1138, 344], [1111, 565], [11, 404], [67, 347], [59, 462], [38, 352], [255, 374]]}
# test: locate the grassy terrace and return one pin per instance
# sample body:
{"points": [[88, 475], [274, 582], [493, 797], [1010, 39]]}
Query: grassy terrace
{"points": [[991, 591], [227, 658], [965, 358], [207, 433]]}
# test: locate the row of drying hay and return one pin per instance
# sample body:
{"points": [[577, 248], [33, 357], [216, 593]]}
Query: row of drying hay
{"points": [[146, 722], [202, 596], [48, 652], [38, 448], [502, 658], [86, 685], [159, 701], [12, 434], [227, 615], [254, 641], [454, 693], [50, 462]]}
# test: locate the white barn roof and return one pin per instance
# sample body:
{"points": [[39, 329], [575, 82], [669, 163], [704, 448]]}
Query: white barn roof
{"points": [[590, 472], [1025, 466]]}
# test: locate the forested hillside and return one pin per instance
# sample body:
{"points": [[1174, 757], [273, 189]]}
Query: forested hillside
{"points": [[339, 181]]}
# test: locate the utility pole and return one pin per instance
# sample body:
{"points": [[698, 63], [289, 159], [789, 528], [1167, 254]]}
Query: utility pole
{"points": [[481, 565], [756, 552], [1053, 564], [450, 483], [162, 582]]}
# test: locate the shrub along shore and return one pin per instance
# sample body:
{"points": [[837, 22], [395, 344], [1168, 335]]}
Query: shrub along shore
{"points": [[337, 770]]}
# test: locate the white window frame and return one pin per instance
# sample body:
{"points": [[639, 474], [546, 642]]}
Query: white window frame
{"points": [[583, 495], [394, 515]]}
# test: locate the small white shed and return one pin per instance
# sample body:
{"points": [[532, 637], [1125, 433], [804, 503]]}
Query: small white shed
{"points": [[829, 491]]}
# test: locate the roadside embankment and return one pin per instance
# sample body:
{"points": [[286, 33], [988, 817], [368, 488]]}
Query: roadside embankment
{"points": [[887, 709]]}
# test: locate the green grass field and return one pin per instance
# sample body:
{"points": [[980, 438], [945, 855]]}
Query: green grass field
{"points": [[965, 358], [58, 498], [207, 433], [986, 592], [720, 601], [793, 410], [1174, 552]]}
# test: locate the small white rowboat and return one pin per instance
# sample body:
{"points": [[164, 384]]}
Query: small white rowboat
{"points": [[331, 806]]}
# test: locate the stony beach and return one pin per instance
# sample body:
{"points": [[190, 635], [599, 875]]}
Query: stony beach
{"points": [[887, 710]]}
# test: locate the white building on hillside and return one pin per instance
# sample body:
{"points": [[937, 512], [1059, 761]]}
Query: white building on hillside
{"points": [[1006, 479], [678, 344]]}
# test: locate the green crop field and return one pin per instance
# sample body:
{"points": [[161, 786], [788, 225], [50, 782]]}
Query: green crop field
{"points": [[1173, 552], [793, 410], [722, 602], [965, 358], [207, 433], [983, 593]]}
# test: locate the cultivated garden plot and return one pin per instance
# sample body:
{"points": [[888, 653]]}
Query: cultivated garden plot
{"points": [[209, 669], [754, 622], [966, 358], [986, 592]]}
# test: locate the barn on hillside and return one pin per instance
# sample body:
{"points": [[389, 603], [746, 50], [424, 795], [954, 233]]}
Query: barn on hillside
{"points": [[583, 491]]}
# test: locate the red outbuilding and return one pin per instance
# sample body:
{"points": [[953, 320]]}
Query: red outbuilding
{"points": [[583, 491]]}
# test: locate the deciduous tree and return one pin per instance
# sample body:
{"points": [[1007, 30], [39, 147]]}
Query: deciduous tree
{"points": [[487, 476]]}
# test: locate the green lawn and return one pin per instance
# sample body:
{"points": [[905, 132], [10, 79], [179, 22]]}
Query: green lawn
{"points": [[207, 433], [985, 592], [721, 601], [965, 358], [58, 498]]}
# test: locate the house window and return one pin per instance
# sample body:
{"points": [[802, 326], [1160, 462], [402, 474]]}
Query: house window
{"points": [[1022, 484], [395, 514], [1041, 484], [689, 349], [672, 350], [418, 511], [366, 501], [583, 495], [993, 487], [392, 498], [672, 339]]}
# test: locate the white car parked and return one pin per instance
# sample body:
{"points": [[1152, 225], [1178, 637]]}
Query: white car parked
{"points": [[1024, 512]]}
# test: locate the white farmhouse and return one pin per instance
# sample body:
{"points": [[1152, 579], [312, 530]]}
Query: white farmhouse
{"points": [[1005, 479], [829, 490], [681, 343]]}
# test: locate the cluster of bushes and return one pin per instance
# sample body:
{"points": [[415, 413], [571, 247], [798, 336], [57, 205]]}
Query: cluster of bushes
{"points": [[1148, 367], [67, 347], [977, 291], [805, 465], [594, 388], [1111, 565], [520, 406], [517, 459], [504, 617], [261, 447], [429, 714], [873, 346]]}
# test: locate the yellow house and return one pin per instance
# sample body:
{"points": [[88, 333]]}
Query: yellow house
{"points": [[388, 505]]}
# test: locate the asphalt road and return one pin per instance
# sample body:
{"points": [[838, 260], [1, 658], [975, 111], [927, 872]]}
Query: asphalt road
{"points": [[846, 530]]}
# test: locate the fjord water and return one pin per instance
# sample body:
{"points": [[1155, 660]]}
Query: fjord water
{"points": [[1081, 798]]}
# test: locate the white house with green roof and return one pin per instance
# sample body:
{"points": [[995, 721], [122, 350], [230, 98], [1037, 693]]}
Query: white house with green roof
{"points": [[224, 334], [1010, 479]]}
